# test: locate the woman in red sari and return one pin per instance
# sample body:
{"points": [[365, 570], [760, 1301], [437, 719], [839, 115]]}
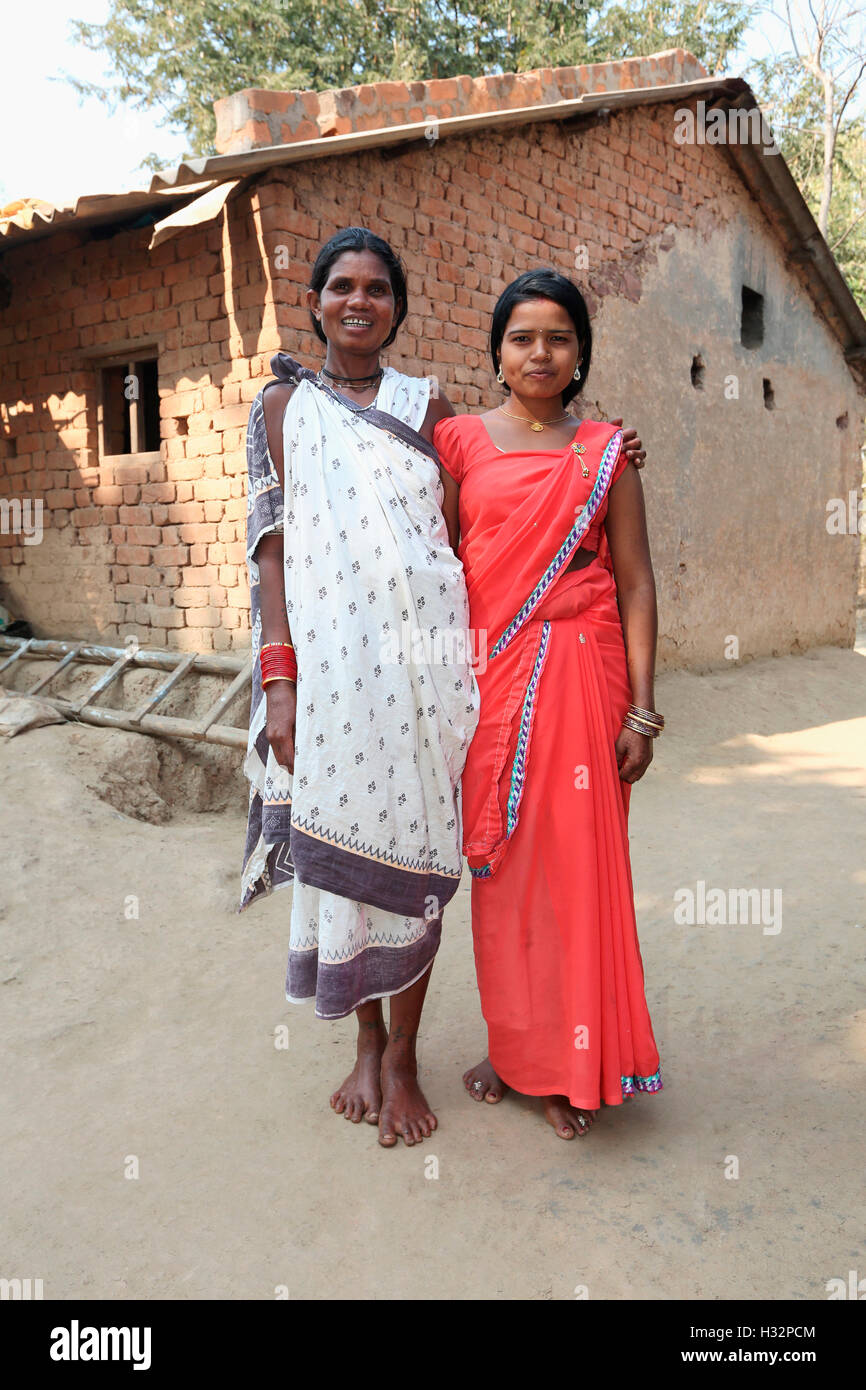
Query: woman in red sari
{"points": [[563, 608]]}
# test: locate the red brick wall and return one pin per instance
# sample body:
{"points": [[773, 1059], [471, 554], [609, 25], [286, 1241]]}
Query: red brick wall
{"points": [[154, 549]]}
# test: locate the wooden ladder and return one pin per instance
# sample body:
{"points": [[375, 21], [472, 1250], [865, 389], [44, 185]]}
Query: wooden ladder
{"points": [[141, 720]]}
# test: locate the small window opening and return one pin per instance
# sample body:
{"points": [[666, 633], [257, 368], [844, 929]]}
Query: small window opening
{"points": [[752, 318], [698, 369], [769, 398], [130, 407]]}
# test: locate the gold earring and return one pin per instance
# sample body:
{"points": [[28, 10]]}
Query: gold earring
{"points": [[500, 377], [576, 376]]}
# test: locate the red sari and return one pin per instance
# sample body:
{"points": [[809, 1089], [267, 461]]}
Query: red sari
{"points": [[545, 814]]}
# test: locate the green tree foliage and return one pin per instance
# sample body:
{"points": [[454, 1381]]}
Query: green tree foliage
{"points": [[710, 29], [179, 57]]}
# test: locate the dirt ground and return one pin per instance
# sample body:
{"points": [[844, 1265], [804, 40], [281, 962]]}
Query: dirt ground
{"points": [[140, 1016]]}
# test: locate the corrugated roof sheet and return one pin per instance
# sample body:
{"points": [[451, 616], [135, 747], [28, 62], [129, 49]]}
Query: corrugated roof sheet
{"points": [[34, 217]]}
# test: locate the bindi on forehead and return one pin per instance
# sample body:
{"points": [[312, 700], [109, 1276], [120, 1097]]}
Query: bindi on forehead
{"points": [[535, 328]]}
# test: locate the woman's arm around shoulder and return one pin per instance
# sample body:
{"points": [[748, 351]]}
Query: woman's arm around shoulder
{"points": [[625, 524], [439, 409]]}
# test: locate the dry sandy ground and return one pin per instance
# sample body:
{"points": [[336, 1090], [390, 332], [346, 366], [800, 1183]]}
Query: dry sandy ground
{"points": [[153, 1036]]}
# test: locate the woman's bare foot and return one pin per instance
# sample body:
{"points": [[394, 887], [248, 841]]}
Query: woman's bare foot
{"points": [[405, 1112], [482, 1083], [566, 1119], [360, 1096]]}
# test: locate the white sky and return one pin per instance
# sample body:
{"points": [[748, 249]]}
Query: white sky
{"points": [[55, 146], [52, 144]]}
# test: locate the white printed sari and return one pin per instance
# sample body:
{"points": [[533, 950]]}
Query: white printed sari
{"points": [[369, 827]]}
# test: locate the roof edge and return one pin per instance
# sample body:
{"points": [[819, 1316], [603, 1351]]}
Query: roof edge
{"points": [[250, 161], [772, 184]]}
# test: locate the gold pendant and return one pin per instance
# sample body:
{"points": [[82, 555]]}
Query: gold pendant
{"points": [[536, 428], [581, 449]]}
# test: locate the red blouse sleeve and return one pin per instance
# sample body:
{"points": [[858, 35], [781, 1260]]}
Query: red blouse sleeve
{"points": [[446, 440]]}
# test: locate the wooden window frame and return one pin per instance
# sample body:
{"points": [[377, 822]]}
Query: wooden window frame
{"points": [[125, 354]]}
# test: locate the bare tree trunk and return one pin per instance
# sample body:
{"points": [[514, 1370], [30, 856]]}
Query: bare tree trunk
{"points": [[828, 47], [829, 152]]}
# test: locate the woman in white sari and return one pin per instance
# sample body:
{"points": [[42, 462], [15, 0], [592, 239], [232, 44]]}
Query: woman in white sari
{"points": [[354, 774]]}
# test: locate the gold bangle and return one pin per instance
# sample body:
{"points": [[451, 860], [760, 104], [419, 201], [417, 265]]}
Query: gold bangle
{"points": [[648, 731], [645, 722], [642, 720], [649, 714], [277, 644], [270, 679]]}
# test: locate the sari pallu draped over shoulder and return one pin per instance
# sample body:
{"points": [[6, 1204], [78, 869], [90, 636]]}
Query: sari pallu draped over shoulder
{"points": [[511, 572], [372, 810]]}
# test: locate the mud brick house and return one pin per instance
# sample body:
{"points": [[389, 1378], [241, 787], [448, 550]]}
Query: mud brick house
{"points": [[724, 331]]}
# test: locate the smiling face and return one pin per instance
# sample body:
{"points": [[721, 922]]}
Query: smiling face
{"points": [[356, 307], [539, 349]]}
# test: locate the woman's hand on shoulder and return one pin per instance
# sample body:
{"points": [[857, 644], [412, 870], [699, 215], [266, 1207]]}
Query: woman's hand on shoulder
{"points": [[632, 446]]}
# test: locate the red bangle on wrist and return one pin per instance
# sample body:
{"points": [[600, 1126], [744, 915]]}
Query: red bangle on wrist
{"points": [[277, 661]]}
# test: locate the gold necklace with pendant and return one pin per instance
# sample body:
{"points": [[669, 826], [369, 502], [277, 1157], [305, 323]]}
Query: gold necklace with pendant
{"points": [[535, 425]]}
